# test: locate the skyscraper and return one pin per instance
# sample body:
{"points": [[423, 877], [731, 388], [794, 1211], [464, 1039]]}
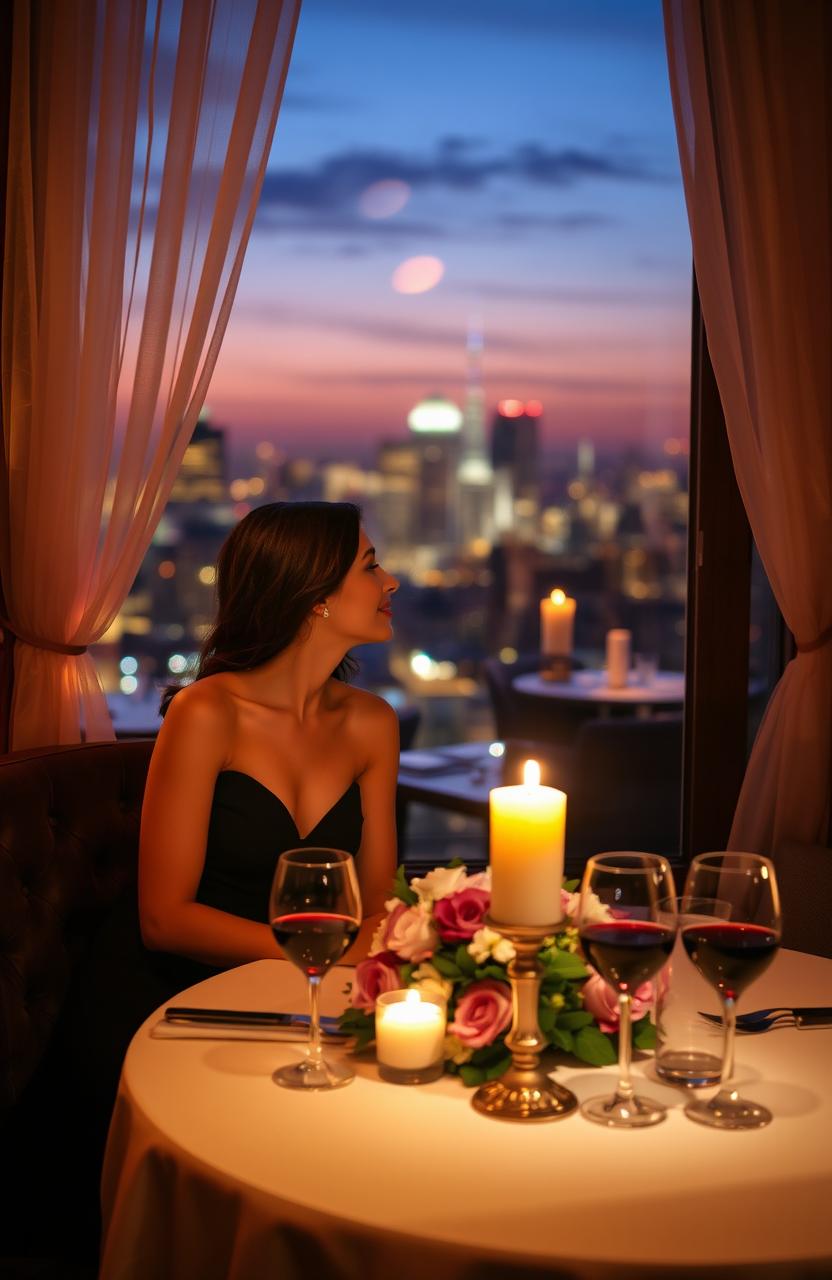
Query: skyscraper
{"points": [[515, 456], [435, 424], [474, 475]]}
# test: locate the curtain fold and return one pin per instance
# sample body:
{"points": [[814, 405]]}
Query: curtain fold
{"points": [[140, 132], [752, 96]]}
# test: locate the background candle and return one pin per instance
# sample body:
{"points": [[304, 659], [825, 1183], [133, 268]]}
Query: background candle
{"points": [[557, 619], [618, 658], [527, 836], [410, 1031]]}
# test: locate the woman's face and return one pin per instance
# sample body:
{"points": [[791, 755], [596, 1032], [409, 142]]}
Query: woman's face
{"points": [[361, 607]]}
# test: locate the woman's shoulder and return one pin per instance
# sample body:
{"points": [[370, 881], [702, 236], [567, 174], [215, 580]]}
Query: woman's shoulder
{"points": [[205, 705], [365, 709]]}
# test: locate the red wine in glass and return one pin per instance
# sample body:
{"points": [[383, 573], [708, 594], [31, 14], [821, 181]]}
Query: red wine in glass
{"points": [[731, 952], [315, 913], [627, 924], [730, 956], [315, 940], [627, 952]]}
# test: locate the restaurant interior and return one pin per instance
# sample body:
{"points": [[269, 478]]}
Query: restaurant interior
{"points": [[474, 1019]]}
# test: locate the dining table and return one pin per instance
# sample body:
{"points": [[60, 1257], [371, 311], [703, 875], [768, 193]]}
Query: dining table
{"points": [[214, 1172], [663, 689]]}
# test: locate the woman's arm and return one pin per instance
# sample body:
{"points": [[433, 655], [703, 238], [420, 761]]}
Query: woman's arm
{"points": [[378, 726], [190, 751]]}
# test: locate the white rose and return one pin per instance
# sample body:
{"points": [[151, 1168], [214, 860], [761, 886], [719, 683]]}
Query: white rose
{"points": [[430, 981], [411, 933], [595, 911], [482, 880], [439, 883], [487, 943], [456, 1051], [378, 943]]}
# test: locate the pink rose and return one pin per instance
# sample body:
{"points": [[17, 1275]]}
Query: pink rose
{"points": [[410, 932], [374, 975], [602, 1002], [460, 915], [482, 1013]]}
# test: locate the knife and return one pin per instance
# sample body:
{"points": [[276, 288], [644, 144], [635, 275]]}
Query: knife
{"points": [[248, 1018]]}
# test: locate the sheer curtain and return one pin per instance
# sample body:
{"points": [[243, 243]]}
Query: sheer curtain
{"points": [[139, 136], [752, 95]]}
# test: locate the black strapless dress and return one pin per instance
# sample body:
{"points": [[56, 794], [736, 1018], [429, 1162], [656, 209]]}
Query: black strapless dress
{"points": [[121, 982]]}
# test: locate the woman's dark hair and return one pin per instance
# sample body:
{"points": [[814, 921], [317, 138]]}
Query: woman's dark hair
{"points": [[278, 563]]}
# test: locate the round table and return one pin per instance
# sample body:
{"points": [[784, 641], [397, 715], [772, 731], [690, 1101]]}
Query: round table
{"points": [[214, 1173], [667, 688]]}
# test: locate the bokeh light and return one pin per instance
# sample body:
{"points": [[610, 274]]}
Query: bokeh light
{"points": [[384, 199], [418, 275]]}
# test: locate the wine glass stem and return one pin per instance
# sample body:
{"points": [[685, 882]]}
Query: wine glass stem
{"points": [[313, 1048], [729, 1022], [625, 1088]]}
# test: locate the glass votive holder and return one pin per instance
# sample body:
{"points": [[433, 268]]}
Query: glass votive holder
{"points": [[410, 1036]]}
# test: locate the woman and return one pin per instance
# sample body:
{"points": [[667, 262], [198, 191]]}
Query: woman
{"points": [[269, 748]]}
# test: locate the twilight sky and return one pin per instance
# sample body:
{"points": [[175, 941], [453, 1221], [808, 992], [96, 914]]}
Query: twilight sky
{"points": [[532, 143]]}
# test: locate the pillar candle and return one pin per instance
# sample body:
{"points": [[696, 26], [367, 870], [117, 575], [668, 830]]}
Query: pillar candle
{"points": [[618, 658], [527, 837], [410, 1032], [557, 619]]}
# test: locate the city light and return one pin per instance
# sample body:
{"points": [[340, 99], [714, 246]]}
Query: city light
{"points": [[128, 666], [207, 575], [510, 408], [128, 684], [418, 275], [238, 489], [167, 569], [435, 414], [497, 749], [508, 654], [177, 663]]}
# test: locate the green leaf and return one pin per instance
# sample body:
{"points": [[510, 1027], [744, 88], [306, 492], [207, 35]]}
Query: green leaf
{"points": [[497, 1068], [574, 1019], [454, 863], [592, 1046], [447, 967], [402, 890], [571, 885], [489, 1054], [491, 971], [466, 962], [364, 1037], [644, 1034], [547, 1017], [471, 1075], [406, 973], [565, 964], [562, 1040]]}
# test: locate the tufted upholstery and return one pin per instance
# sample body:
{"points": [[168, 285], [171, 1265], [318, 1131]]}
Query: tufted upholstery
{"points": [[69, 824]]}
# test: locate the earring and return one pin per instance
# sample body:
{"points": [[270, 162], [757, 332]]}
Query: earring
{"points": [[325, 613]]}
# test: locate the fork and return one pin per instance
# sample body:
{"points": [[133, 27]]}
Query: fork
{"points": [[763, 1019]]}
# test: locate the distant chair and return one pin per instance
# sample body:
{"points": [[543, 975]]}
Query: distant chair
{"points": [[521, 715], [626, 785]]}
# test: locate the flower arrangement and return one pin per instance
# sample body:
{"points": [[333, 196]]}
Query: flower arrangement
{"points": [[434, 937]]}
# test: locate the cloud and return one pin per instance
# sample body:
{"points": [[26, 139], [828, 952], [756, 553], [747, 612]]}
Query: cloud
{"points": [[457, 164], [548, 294], [554, 222]]}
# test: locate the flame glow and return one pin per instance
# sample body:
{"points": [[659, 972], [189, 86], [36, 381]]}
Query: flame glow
{"points": [[558, 596], [531, 774]]}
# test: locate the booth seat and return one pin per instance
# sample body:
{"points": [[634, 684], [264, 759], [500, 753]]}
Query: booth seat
{"points": [[69, 828]]}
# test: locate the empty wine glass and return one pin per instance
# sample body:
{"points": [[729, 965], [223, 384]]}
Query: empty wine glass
{"points": [[627, 925], [730, 953], [315, 914]]}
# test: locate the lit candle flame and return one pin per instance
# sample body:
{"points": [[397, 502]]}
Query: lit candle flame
{"points": [[558, 596], [531, 774], [412, 996]]}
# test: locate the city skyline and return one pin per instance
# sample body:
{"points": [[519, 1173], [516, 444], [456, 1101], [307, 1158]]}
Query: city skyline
{"points": [[536, 158]]}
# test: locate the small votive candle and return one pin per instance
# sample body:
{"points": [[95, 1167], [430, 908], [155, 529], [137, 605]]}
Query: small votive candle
{"points": [[618, 658], [410, 1036]]}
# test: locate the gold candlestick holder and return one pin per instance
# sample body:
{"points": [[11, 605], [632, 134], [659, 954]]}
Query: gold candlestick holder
{"points": [[524, 1091]]}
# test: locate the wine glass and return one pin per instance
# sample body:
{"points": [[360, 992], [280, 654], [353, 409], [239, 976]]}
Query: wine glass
{"points": [[315, 914], [627, 925], [730, 953]]}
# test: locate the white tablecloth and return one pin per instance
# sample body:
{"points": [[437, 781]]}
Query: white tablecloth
{"points": [[666, 688], [215, 1173]]}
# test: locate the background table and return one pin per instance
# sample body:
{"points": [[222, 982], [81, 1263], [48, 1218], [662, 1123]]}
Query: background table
{"points": [[666, 689], [215, 1173]]}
